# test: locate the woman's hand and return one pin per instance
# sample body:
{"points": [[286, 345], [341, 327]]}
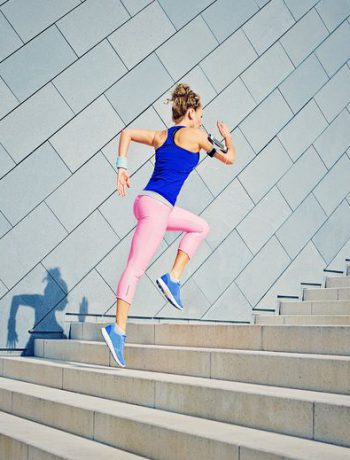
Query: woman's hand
{"points": [[224, 131], [123, 180]]}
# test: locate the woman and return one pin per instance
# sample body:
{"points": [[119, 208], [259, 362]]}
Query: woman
{"points": [[177, 154]]}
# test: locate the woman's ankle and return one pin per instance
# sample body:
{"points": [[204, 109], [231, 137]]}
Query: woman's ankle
{"points": [[174, 277], [120, 329]]}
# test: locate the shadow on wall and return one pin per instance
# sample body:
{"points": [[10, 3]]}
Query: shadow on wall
{"points": [[48, 311]]}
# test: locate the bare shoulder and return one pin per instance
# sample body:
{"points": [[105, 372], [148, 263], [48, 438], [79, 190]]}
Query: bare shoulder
{"points": [[187, 138], [190, 131], [193, 139], [201, 138], [160, 137], [192, 134]]}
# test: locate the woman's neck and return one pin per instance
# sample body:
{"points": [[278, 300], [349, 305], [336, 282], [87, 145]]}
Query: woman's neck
{"points": [[182, 124]]}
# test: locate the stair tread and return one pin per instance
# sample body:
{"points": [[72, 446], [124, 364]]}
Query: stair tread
{"points": [[308, 316], [228, 385], [326, 288], [194, 326], [303, 301], [212, 349], [58, 442], [223, 432]]}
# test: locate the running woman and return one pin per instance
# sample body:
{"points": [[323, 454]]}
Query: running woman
{"points": [[177, 152]]}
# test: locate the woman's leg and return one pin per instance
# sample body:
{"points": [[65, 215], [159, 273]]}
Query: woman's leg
{"points": [[195, 228], [179, 264], [152, 218]]}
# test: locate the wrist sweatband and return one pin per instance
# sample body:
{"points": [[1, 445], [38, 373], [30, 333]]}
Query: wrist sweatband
{"points": [[122, 162]]}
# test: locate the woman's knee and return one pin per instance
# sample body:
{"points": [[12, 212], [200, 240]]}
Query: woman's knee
{"points": [[205, 228], [135, 271]]}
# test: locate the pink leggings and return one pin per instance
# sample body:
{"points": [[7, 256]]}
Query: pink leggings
{"points": [[154, 218]]}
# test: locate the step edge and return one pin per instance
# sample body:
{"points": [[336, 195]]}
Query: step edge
{"points": [[30, 427], [297, 394], [224, 432]]}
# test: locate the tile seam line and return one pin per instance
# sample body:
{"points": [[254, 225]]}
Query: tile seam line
{"points": [[174, 242], [154, 51], [218, 94], [236, 127], [106, 38], [59, 19], [12, 27]]}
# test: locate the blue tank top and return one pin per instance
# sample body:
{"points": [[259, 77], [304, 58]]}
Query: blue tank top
{"points": [[172, 167]]}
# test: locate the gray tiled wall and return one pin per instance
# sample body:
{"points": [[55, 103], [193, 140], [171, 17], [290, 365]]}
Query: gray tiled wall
{"points": [[74, 73]]}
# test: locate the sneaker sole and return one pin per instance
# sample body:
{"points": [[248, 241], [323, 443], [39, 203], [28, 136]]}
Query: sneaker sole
{"points": [[110, 346], [168, 295]]}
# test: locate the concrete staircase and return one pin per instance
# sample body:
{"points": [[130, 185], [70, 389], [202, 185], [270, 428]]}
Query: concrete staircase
{"points": [[327, 305], [189, 391]]}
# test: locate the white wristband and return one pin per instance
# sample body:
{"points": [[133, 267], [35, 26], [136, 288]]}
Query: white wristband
{"points": [[122, 162]]}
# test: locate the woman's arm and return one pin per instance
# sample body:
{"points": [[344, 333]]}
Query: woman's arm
{"points": [[229, 157], [127, 135], [144, 136]]}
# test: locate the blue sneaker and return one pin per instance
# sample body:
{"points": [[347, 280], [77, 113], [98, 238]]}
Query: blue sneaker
{"points": [[171, 290], [115, 341]]}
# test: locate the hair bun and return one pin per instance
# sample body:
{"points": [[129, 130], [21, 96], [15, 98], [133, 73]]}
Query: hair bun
{"points": [[183, 98], [182, 89]]}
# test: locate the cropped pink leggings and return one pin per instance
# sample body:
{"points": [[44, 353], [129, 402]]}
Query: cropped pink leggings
{"points": [[154, 218]]}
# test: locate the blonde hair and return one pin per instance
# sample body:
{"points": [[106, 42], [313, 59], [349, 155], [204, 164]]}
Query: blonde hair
{"points": [[183, 98]]}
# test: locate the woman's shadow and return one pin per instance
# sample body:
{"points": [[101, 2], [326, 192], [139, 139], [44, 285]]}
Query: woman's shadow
{"points": [[45, 307]]}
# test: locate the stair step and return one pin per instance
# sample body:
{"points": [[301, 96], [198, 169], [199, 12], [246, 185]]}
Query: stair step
{"points": [[21, 438], [337, 281], [315, 307], [292, 338], [297, 370], [131, 427], [277, 409], [308, 320], [326, 293]]}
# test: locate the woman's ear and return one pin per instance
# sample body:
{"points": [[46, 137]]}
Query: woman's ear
{"points": [[191, 113]]}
